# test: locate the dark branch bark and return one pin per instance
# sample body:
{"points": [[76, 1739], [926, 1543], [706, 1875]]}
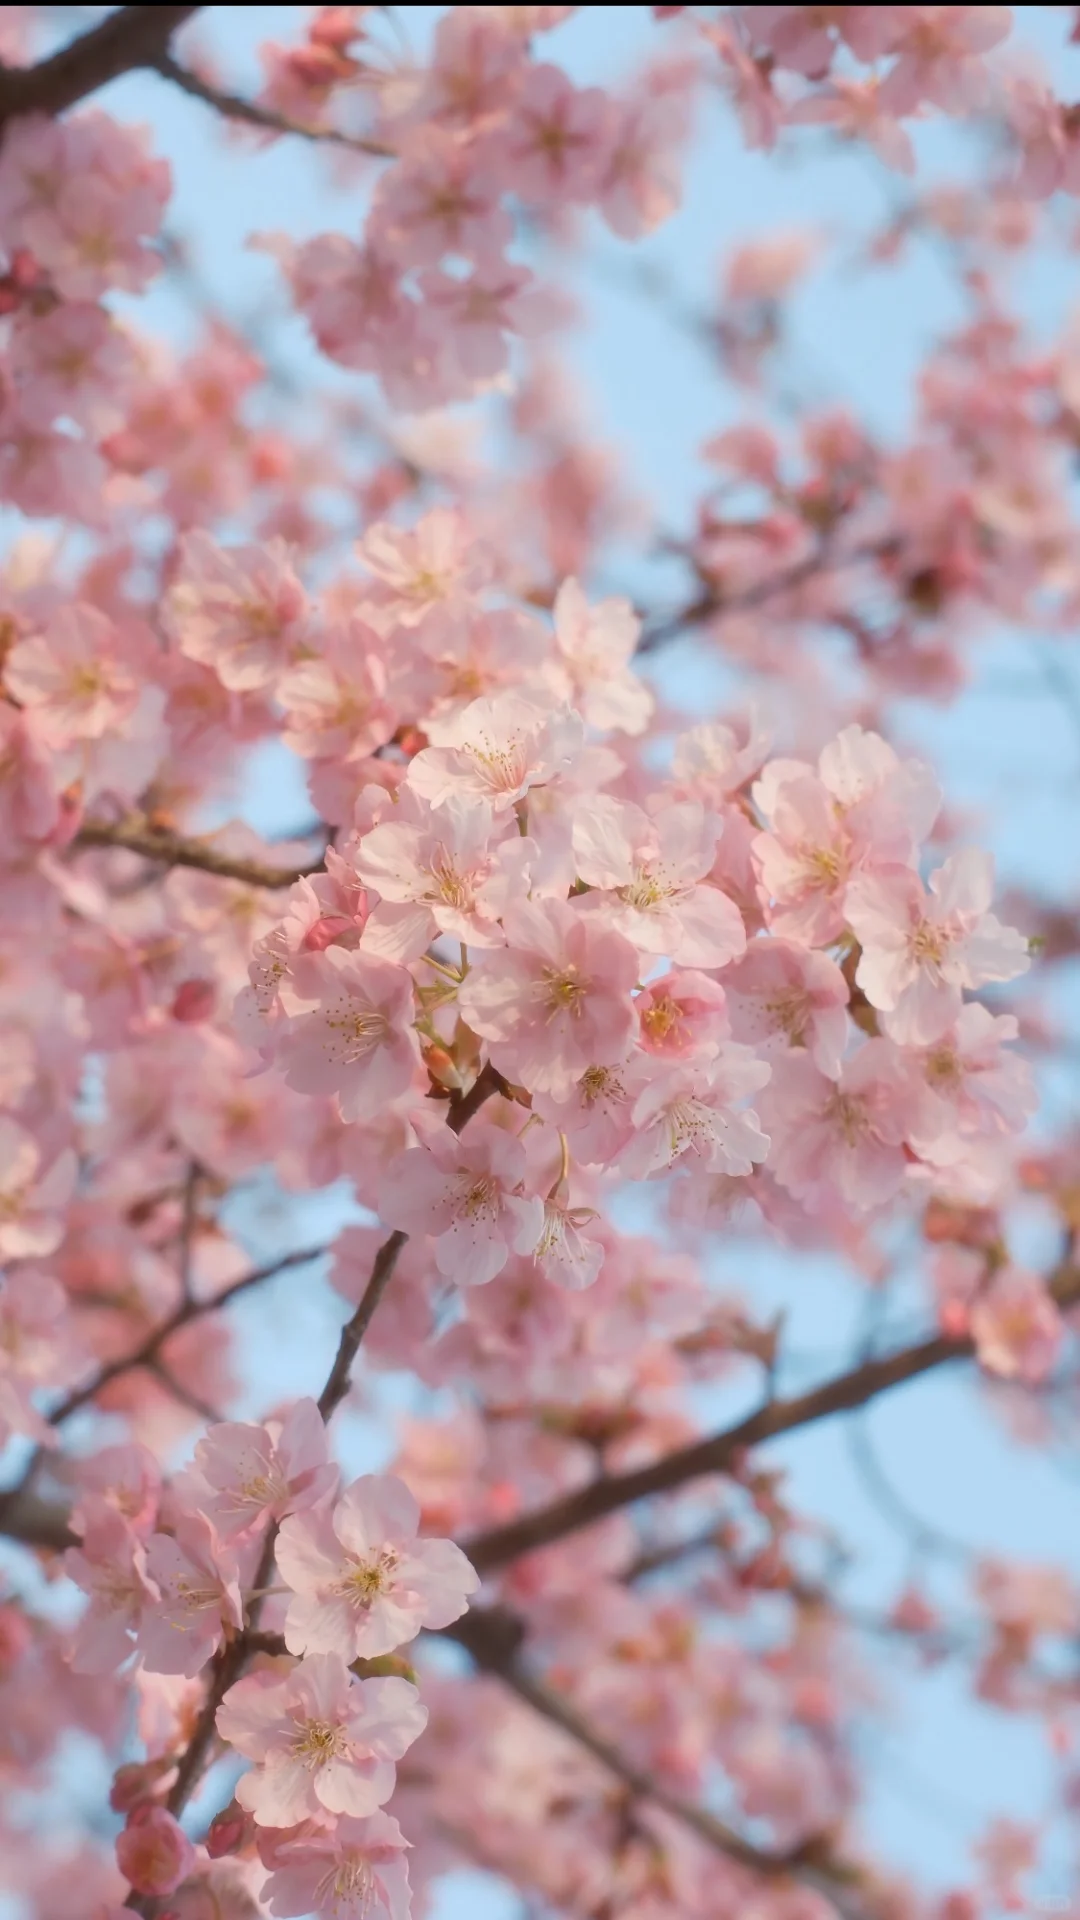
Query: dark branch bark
{"points": [[720, 1451], [128, 38], [136, 835], [232, 106]]}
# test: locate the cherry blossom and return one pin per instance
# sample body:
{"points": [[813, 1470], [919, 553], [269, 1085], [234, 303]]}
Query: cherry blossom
{"points": [[362, 1582], [466, 1194], [1016, 1326], [651, 872], [349, 1030], [254, 1474], [322, 1741], [153, 1853]]}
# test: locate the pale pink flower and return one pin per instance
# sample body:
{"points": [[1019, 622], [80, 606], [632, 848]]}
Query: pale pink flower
{"points": [[972, 1086], [354, 1871], [651, 870], [564, 1253], [111, 1567], [641, 185], [34, 1350], [781, 995], [691, 1109], [73, 679], [125, 1478], [263, 1473], [32, 1203], [422, 571], [335, 703], [199, 1585], [240, 610], [863, 807], [921, 948], [682, 1015], [350, 1030], [75, 362], [441, 199], [713, 761], [596, 645], [322, 1742], [440, 870], [495, 750], [153, 1853], [597, 1111], [556, 999], [465, 1194], [362, 1583], [556, 143], [1016, 1326], [842, 1135]]}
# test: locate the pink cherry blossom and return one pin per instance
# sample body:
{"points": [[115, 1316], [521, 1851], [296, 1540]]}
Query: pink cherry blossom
{"points": [[782, 995], [355, 1871], [495, 750], [422, 571], [556, 999], [921, 948], [441, 870], [350, 1030], [262, 1473], [1016, 1326], [73, 678], [240, 610], [682, 1015], [596, 645], [111, 1566], [844, 1134], [362, 1583], [651, 872], [153, 1853], [199, 1584], [556, 143], [466, 1194], [32, 1201], [323, 1742], [690, 1110]]}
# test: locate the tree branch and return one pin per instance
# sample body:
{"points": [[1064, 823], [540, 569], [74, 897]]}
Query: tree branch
{"points": [[720, 1451], [136, 835], [232, 106], [352, 1333], [128, 38]]}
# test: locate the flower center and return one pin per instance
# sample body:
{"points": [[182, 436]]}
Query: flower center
{"points": [[646, 890], [477, 1199], [318, 1742], [850, 1116], [943, 1068], [562, 992], [790, 1013], [361, 1030], [348, 1888], [662, 1019], [600, 1083], [367, 1578], [928, 943], [825, 865]]}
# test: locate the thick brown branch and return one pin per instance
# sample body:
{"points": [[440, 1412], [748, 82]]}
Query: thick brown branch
{"points": [[232, 106], [720, 1451], [136, 835], [128, 38]]}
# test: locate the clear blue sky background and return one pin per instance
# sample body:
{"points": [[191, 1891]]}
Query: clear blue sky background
{"points": [[1008, 750]]}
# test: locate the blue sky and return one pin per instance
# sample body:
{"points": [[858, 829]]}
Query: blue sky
{"points": [[652, 396]]}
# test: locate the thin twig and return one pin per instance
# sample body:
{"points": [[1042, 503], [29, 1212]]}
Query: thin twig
{"points": [[136, 835], [232, 106]]}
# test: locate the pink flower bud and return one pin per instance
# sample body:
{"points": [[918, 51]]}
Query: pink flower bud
{"points": [[230, 1830], [153, 1852], [194, 1001], [136, 1783]]}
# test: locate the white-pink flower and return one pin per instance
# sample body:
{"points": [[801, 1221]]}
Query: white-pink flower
{"points": [[692, 1109], [440, 870], [1016, 1326], [842, 1136], [32, 1203], [781, 995], [682, 1015], [73, 679], [110, 1566], [651, 870], [362, 1583], [240, 610], [350, 1030], [495, 750], [423, 570], [556, 999], [322, 1741], [596, 645], [355, 1870], [255, 1474], [921, 947], [199, 1586], [466, 1194]]}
